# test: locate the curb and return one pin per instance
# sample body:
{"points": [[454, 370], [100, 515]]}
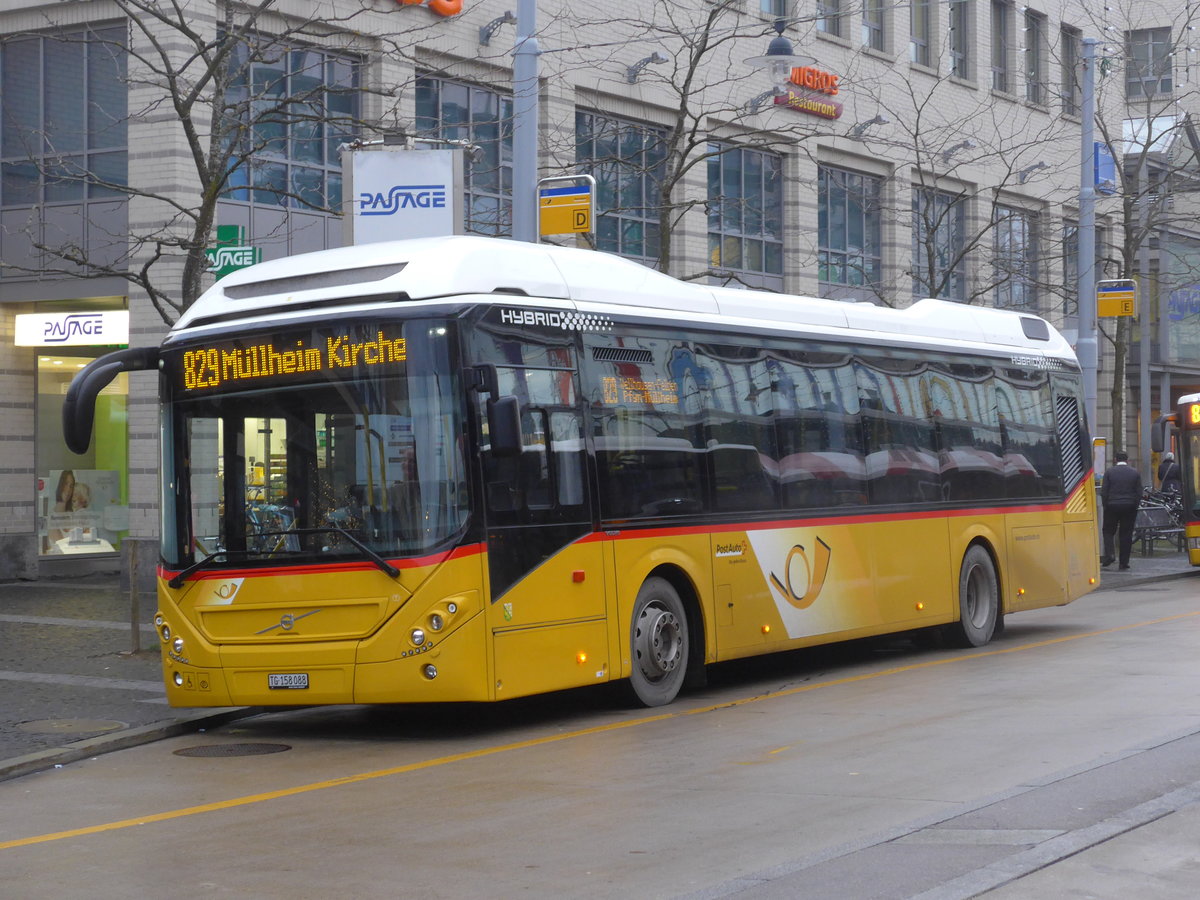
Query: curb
{"points": [[120, 740], [1118, 581]]}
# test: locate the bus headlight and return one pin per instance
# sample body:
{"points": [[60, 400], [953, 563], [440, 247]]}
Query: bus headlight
{"points": [[165, 631], [430, 671], [417, 637], [178, 645], [435, 622], [178, 679]]}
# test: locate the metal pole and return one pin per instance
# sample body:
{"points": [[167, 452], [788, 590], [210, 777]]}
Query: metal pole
{"points": [[135, 600], [1086, 344], [525, 124], [1145, 413]]}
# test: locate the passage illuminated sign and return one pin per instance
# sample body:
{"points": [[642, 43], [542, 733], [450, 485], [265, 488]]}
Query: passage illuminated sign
{"points": [[77, 329], [205, 368]]}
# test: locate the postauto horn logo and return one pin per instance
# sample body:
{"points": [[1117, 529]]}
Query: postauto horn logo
{"points": [[402, 196]]}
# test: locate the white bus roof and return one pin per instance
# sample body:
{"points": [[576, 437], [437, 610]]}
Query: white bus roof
{"points": [[426, 269]]}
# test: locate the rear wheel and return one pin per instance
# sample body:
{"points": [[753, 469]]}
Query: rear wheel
{"points": [[978, 600], [658, 637]]}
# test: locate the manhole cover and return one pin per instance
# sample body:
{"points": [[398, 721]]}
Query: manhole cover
{"points": [[70, 726], [210, 750]]}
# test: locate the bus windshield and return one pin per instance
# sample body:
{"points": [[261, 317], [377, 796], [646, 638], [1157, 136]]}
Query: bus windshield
{"points": [[334, 441]]}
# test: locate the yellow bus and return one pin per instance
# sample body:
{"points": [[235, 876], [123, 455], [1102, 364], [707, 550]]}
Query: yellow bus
{"points": [[469, 469], [1180, 429]]}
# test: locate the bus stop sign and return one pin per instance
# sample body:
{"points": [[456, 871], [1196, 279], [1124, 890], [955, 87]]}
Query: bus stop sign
{"points": [[565, 210], [1116, 297]]}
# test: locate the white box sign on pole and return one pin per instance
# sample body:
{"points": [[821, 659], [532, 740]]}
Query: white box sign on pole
{"points": [[391, 194]]}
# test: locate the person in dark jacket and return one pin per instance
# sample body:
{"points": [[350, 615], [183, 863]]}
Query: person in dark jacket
{"points": [[1168, 475], [1120, 495]]}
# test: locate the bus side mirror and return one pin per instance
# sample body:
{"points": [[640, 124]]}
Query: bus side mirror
{"points": [[79, 403], [1159, 431], [504, 426]]}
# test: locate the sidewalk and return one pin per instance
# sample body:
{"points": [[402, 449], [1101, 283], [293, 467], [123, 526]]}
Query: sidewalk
{"points": [[74, 686]]}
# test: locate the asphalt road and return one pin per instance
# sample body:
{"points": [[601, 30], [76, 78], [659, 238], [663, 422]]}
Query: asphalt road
{"points": [[1063, 760]]}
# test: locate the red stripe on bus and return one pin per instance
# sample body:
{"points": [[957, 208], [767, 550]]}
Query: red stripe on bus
{"points": [[325, 568]]}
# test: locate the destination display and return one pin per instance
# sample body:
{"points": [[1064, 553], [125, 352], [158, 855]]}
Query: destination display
{"points": [[292, 359]]}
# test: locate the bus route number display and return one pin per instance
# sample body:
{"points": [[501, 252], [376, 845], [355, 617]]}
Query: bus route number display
{"points": [[632, 390], [1193, 415], [208, 368]]}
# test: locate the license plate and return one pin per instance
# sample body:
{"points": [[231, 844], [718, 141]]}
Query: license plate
{"points": [[288, 681]]}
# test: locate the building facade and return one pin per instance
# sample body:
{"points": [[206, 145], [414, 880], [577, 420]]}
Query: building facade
{"points": [[924, 149]]}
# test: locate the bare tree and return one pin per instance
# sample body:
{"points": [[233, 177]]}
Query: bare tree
{"points": [[696, 77], [1143, 92], [221, 83]]}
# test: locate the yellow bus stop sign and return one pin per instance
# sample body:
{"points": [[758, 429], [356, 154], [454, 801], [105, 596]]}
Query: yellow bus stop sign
{"points": [[1116, 297], [565, 210]]}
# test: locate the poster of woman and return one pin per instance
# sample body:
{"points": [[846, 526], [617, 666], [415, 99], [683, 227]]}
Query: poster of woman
{"points": [[75, 517]]}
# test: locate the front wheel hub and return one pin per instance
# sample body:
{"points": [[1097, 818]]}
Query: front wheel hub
{"points": [[659, 642]]}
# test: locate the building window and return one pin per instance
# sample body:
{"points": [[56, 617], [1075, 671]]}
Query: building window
{"points": [[626, 159], [920, 16], [452, 110], [849, 229], [1148, 62], [960, 38], [872, 25], [829, 17], [63, 116], [1001, 22], [745, 215], [1014, 258], [939, 245], [1035, 57], [1071, 40], [773, 7], [302, 103]]}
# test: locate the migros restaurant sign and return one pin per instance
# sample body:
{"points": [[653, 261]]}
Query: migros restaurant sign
{"points": [[816, 98], [441, 7]]}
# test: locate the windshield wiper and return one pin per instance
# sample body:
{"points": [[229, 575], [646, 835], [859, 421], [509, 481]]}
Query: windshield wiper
{"points": [[366, 551], [209, 561], [180, 577]]}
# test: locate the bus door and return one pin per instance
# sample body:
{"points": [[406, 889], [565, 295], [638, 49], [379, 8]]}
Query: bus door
{"points": [[547, 606]]}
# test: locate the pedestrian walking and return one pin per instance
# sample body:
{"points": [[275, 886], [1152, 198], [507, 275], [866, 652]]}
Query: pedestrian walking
{"points": [[1120, 495], [1169, 481]]}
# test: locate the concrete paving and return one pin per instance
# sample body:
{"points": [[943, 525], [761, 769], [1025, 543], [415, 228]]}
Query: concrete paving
{"points": [[78, 680]]}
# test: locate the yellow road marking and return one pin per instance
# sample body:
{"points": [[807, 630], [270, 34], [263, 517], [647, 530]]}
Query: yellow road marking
{"points": [[556, 738]]}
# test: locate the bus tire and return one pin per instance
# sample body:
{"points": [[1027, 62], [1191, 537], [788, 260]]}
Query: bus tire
{"points": [[978, 600], [659, 643]]}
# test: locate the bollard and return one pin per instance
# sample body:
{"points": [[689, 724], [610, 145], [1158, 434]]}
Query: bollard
{"points": [[135, 604]]}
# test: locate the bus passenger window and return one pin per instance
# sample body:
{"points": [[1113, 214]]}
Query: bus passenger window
{"points": [[535, 462], [566, 445]]}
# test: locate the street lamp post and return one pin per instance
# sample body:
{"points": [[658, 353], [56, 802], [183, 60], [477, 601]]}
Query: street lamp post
{"points": [[780, 59], [1086, 344], [526, 96]]}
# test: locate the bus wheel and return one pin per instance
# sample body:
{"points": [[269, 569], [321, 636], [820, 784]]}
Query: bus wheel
{"points": [[659, 642], [978, 600]]}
